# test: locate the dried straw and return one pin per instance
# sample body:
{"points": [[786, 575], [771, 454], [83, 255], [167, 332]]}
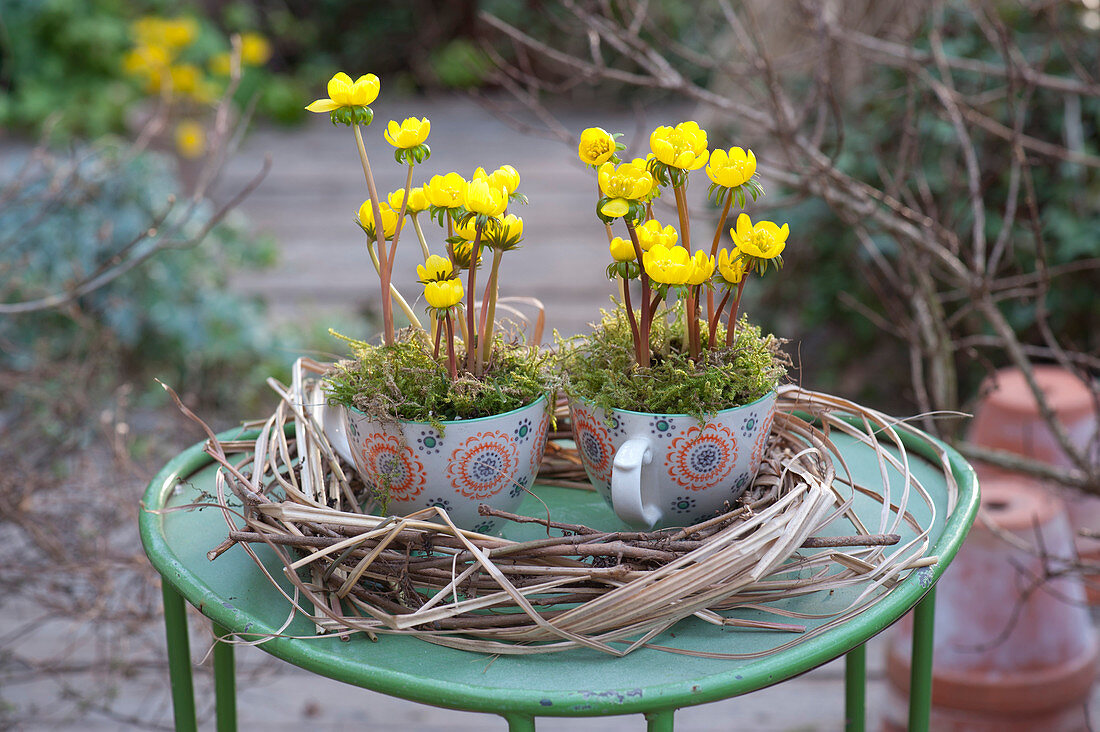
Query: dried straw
{"points": [[611, 591]]}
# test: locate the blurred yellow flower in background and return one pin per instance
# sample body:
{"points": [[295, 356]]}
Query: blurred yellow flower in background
{"points": [[190, 139], [255, 49]]}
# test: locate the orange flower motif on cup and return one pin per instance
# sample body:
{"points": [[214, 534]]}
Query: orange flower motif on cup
{"points": [[594, 444], [540, 443], [761, 442], [484, 465], [392, 465], [702, 457]]}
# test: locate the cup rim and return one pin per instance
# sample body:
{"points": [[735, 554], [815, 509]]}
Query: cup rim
{"points": [[588, 402], [541, 398]]}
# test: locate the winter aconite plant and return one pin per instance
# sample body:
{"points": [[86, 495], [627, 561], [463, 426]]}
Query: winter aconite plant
{"points": [[677, 357], [456, 366]]}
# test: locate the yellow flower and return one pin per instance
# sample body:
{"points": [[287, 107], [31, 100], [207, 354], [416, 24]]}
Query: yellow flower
{"points": [[190, 139], [418, 201], [410, 133], [343, 92], [436, 268], [185, 78], [733, 168], [505, 177], [506, 233], [683, 146], [702, 267], [731, 266], [597, 146], [462, 253], [622, 249], [668, 265], [622, 185], [255, 49], [366, 219], [443, 294], [651, 233], [763, 240], [482, 198], [145, 61], [172, 33], [220, 64], [466, 230], [446, 191]]}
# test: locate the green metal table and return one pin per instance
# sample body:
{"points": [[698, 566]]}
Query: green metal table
{"points": [[235, 595]]}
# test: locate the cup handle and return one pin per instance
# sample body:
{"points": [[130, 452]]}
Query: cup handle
{"points": [[632, 485]]}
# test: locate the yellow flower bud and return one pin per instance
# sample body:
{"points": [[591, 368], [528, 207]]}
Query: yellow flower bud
{"points": [[622, 249], [668, 265], [505, 177], [366, 219], [651, 232], [410, 133], [446, 191], [443, 294], [505, 233], [418, 200], [255, 49], [436, 268], [763, 240], [596, 147], [702, 267], [483, 199], [731, 266], [683, 146], [733, 168], [466, 229], [343, 92]]}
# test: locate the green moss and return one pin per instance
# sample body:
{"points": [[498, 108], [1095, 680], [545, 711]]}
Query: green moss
{"points": [[602, 369], [404, 382]]}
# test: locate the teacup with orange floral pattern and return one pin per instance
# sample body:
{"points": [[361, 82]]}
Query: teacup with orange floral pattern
{"points": [[491, 460], [671, 469]]}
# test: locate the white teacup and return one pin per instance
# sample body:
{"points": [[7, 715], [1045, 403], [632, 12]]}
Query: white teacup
{"points": [[491, 460], [671, 469]]}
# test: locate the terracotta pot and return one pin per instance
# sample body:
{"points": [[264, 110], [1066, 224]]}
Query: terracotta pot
{"points": [[1005, 659], [1008, 419]]}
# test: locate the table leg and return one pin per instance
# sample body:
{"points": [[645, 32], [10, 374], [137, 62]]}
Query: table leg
{"points": [[179, 658], [855, 689], [225, 683], [660, 721], [520, 722], [920, 682]]}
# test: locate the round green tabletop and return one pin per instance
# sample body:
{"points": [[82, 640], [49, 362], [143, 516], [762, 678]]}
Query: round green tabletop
{"points": [[234, 593]]}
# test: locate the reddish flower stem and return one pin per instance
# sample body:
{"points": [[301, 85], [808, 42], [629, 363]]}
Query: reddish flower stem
{"points": [[647, 312]]}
